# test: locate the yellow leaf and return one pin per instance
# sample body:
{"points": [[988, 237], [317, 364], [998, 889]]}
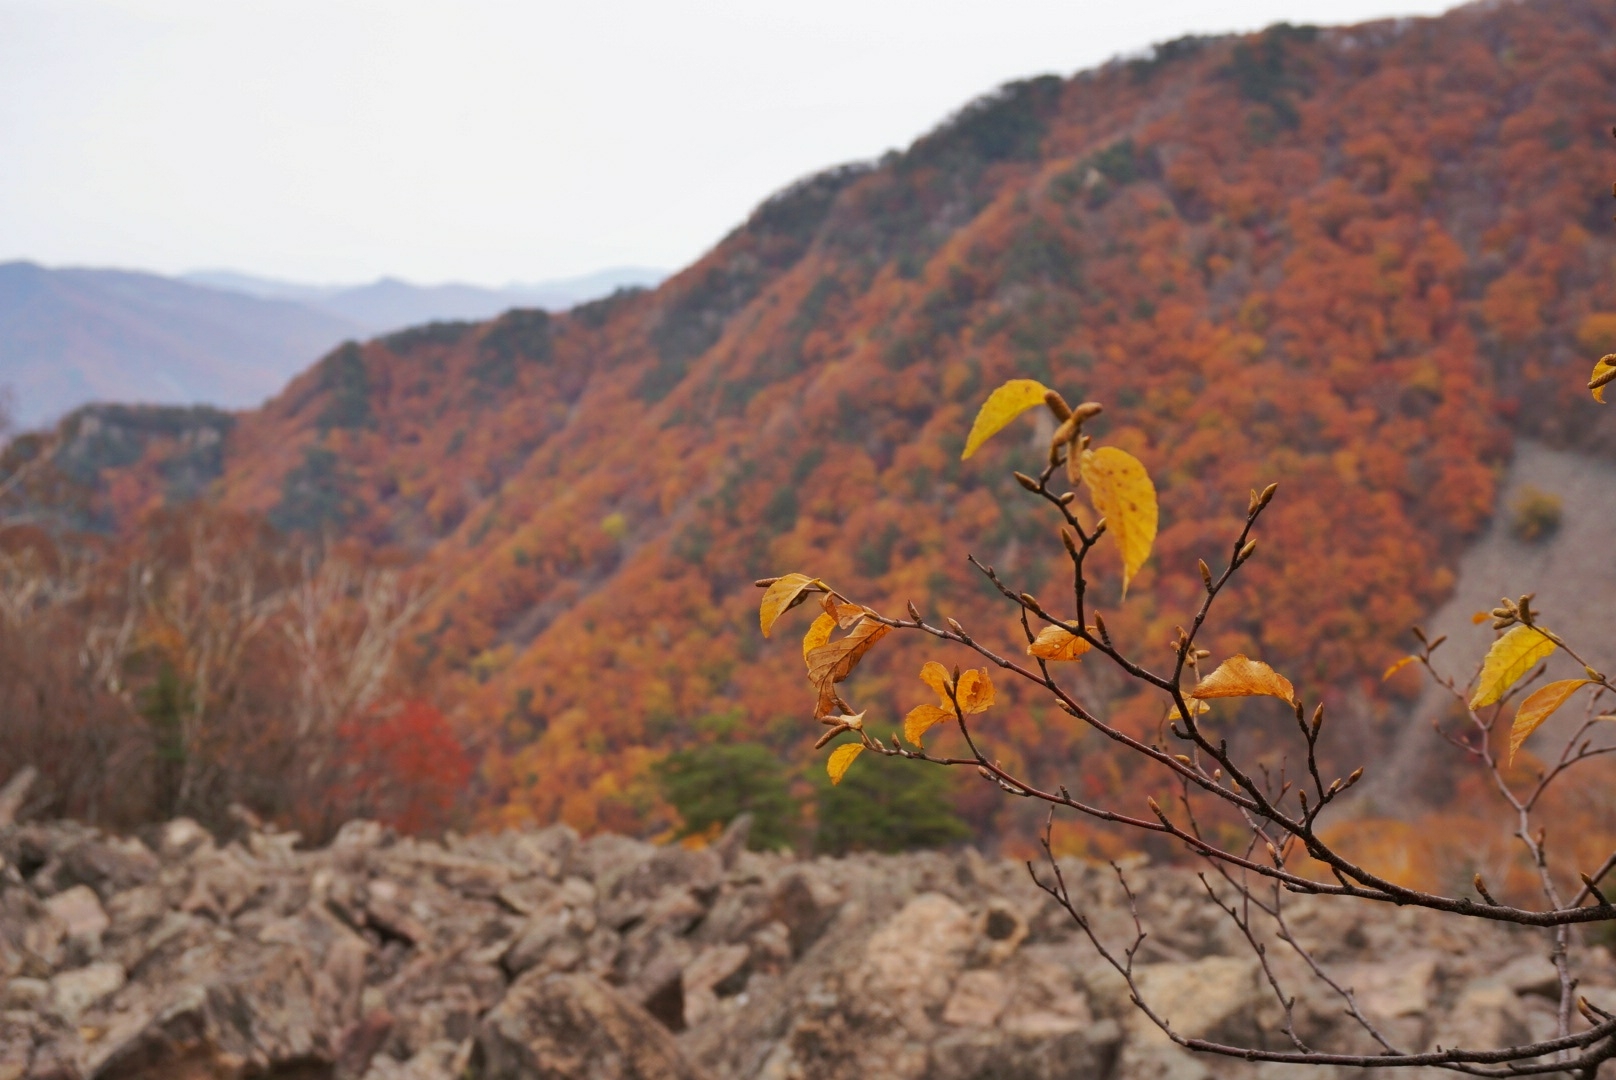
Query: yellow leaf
{"points": [[1512, 656], [935, 676], [1398, 666], [1604, 373], [921, 719], [1480, 617], [1241, 676], [1122, 493], [1197, 708], [975, 691], [1057, 643], [840, 758], [832, 662], [817, 634], [1002, 406], [1538, 707], [786, 593]]}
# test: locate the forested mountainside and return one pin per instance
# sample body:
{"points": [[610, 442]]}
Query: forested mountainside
{"points": [[1356, 261]]}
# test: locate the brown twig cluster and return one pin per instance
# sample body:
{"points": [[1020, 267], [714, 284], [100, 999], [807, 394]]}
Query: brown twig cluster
{"points": [[1282, 851]]}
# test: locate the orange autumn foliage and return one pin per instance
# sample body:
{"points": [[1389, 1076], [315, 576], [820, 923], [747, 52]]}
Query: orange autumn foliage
{"points": [[1356, 261]]}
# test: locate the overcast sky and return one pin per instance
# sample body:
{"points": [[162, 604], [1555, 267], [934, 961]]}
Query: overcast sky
{"points": [[489, 141]]}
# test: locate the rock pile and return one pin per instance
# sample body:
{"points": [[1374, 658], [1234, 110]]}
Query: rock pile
{"points": [[539, 955]]}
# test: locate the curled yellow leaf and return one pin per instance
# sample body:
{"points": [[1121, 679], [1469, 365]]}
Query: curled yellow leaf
{"points": [[1398, 666], [840, 758], [1538, 707], [921, 719], [1002, 406], [1514, 654], [832, 662], [818, 633], [975, 691], [1241, 676], [1123, 494], [786, 593], [1604, 373], [1057, 643]]}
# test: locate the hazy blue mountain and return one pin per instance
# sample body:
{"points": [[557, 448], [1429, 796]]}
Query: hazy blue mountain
{"points": [[71, 336], [389, 303]]}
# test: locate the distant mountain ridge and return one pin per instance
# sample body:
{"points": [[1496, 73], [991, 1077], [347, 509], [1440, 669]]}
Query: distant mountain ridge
{"points": [[390, 303], [72, 335]]}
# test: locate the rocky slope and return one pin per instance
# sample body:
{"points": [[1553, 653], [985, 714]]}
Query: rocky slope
{"points": [[534, 954]]}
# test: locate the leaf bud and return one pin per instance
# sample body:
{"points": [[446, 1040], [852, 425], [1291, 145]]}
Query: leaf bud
{"points": [[1069, 540], [1206, 574], [765, 582], [1318, 718], [1356, 773], [1246, 552], [1202, 654], [1150, 801], [1029, 601], [1057, 404], [1183, 759], [1251, 503], [1267, 495], [956, 627], [1594, 675], [1066, 499], [1087, 411], [1099, 628], [1099, 528], [914, 612], [1026, 481], [982, 770]]}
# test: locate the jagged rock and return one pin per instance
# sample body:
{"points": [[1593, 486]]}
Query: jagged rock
{"points": [[390, 958], [805, 905], [574, 1027]]}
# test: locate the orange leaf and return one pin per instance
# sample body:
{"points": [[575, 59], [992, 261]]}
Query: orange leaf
{"points": [[935, 676], [840, 758], [834, 661], [1057, 643], [786, 593], [921, 719], [1241, 676], [1538, 707], [1480, 617], [1398, 666], [975, 691], [844, 614]]}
